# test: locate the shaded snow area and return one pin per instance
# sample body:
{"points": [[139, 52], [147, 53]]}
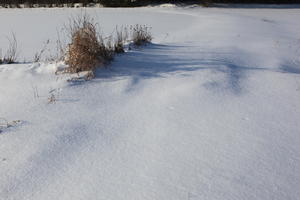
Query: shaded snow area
{"points": [[209, 110]]}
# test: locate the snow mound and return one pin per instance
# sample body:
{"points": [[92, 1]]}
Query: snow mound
{"points": [[167, 5]]}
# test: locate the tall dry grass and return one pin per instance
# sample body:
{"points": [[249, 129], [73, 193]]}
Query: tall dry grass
{"points": [[140, 34], [87, 49], [11, 55]]}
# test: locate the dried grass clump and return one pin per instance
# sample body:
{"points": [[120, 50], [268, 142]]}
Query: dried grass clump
{"points": [[38, 55], [11, 54], [141, 34], [87, 49], [120, 39]]}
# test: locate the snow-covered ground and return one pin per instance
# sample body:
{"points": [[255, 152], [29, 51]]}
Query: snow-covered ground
{"points": [[210, 110]]}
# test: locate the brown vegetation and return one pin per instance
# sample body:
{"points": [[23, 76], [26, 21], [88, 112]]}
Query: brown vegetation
{"points": [[141, 34], [11, 54], [87, 49]]}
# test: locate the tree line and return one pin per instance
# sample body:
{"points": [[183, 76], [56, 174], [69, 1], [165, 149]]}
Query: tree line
{"points": [[133, 2]]}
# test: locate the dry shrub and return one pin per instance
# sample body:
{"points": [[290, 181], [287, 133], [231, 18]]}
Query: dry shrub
{"points": [[11, 54], [140, 34], [87, 49], [61, 47], [58, 53], [38, 55], [83, 51], [120, 39]]}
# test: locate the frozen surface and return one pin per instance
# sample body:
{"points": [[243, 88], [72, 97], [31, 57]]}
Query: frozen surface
{"points": [[210, 110]]}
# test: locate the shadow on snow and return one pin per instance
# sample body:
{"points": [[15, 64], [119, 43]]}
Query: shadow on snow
{"points": [[160, 61]]}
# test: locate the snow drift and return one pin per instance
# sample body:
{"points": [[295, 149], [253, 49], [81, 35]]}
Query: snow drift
{"points": [[210, 110]]}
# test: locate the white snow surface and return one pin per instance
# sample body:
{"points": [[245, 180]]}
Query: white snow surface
{"points": [[209, 110]]}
